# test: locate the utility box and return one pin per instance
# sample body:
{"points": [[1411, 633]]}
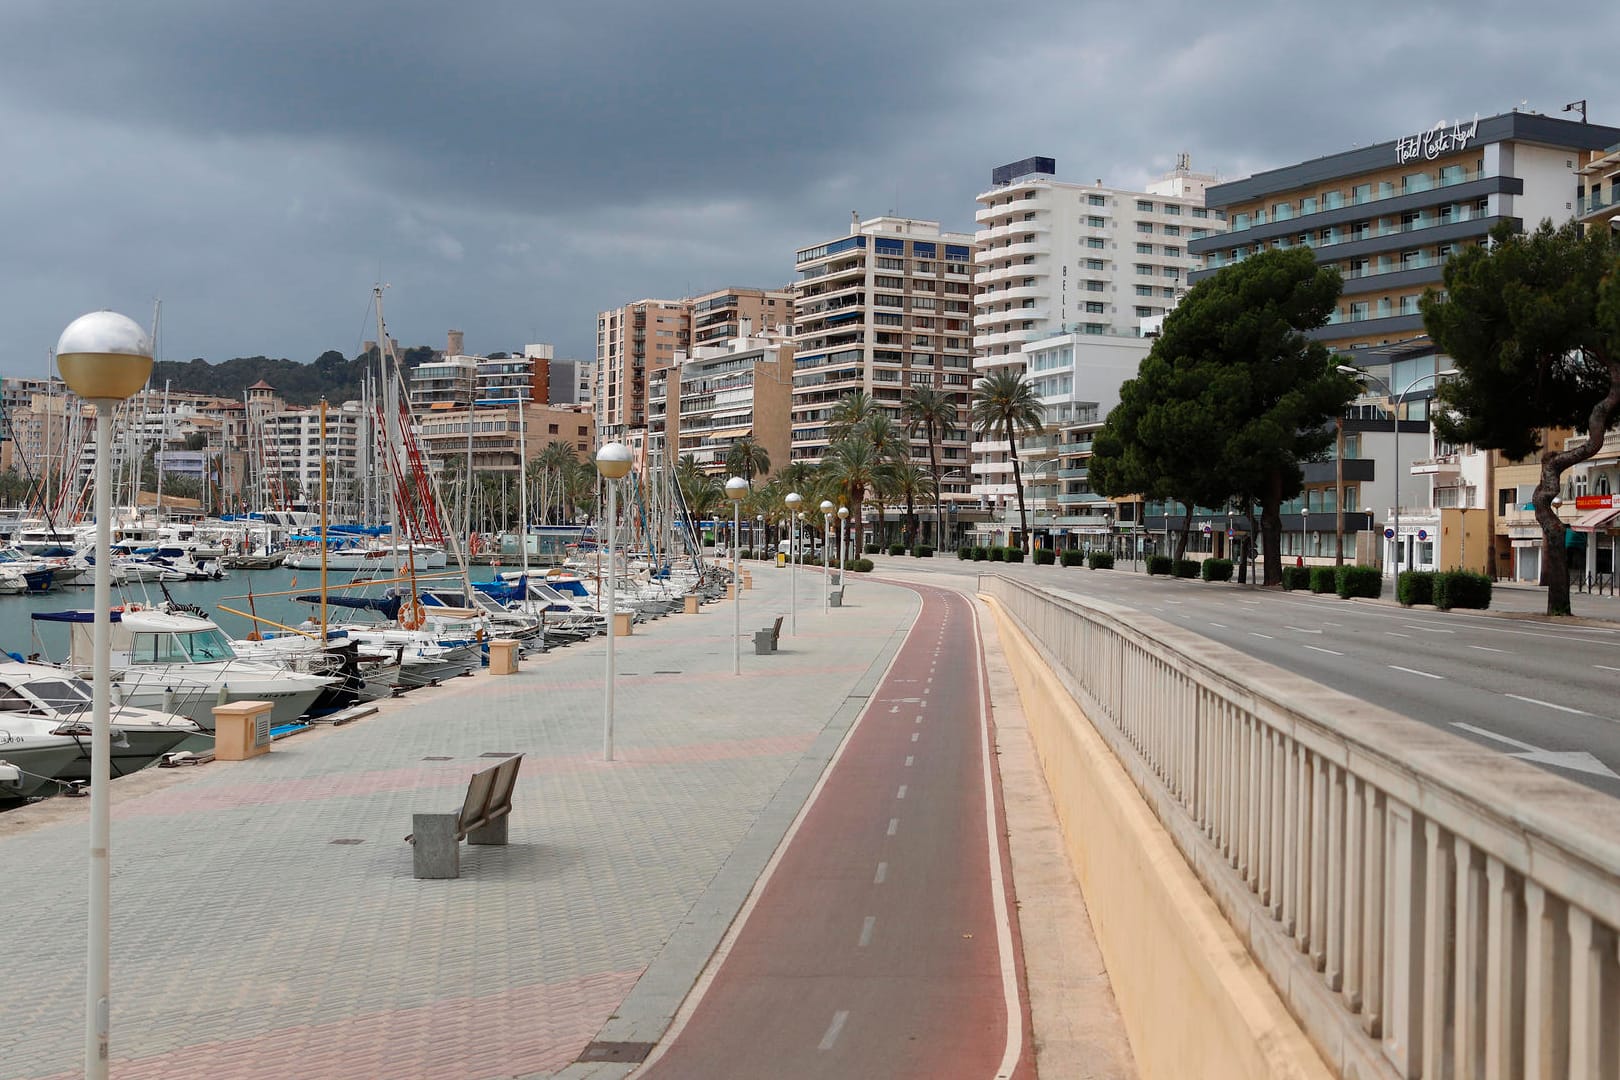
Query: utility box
{"points": [[503, 657], [690, 607], [622, 621], [241, 730]]}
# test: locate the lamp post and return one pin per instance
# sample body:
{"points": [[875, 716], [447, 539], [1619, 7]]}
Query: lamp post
{"points": [[1304, 518], [793, 500], [1345, 369], [736, 488], [843, 556], [613, 462], [826, 567], [761, 541], [104, 358]]}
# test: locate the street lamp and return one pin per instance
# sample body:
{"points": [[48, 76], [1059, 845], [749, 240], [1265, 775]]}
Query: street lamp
{"points": [[1346, 369], [793, 500], [826, 567], [736, 489], [613, 462], [843, 556], [104, 358]]}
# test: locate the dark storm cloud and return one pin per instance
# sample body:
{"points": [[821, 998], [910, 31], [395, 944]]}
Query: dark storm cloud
{"points": [[513, 167]]}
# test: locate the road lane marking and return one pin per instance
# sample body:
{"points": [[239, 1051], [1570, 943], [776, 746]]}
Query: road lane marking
{"points": [[909, 760], [1578, 760], [1175, 602], [1415, 671], [882, 873], [901, 793], [1218, 625], [1428, 629], [1302, 630], [1605, 667], [915, 735], [918, 720], [894, 708], [866, 930], [1391, 633], [894, 825], [829, 1040], [1330, 652], [1486, 648], [1268, 637], [1548, 704]]}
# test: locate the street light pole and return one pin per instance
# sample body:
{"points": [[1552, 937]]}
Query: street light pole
{"points": [[1345, 369], [613, 462], [826, 567], [736, 488], [793, 500], [104, 358], [843, 557]]}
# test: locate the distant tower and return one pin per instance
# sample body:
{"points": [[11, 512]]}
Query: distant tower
{"points": [[455, 344], [261, 391]]}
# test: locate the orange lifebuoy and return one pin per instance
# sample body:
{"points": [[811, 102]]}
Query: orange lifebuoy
{"points": [[411, 616]]}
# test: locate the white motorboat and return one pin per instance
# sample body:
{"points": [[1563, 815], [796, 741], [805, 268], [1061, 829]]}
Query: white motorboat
{"points": [[376, 557], [29, 763], [40, 700], [184, 664]]}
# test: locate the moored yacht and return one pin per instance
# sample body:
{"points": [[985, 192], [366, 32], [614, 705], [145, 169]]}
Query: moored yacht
{"points": [[40, 700]]}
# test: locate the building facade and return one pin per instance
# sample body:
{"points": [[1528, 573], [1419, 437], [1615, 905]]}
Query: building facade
{"points": [[726, 314], [884, 308], [504, 436], [708, 401], [633, 343]]}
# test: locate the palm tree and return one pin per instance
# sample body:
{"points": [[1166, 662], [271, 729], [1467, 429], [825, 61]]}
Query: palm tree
{"points": [[852, 467], [746, 458], [893, 449], [851, 411], [934, 413], [553, 462], [1004, 404], [908, 481]]}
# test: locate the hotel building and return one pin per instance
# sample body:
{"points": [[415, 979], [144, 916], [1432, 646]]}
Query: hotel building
{"points": [[884, 308]]}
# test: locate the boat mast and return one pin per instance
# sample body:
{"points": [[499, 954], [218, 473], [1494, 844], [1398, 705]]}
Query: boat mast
{"points": [[523, 487], [323, 523]]}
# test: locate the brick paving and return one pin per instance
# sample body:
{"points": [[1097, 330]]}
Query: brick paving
{"points": [[246, 943]]}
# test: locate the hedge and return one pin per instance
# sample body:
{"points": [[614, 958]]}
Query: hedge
{"points": [[1461, 589], [922, 551], [980, 554], [872, 549], [1159, 564], [998, 554], [1216, 570], [1365, 581], [1186, 568], [1014, 554], [1071, 557], [1045, 556], [862, 566], [1100, 560], [1324, 579], [1415, 587], [1296, 577], [965, 552], [897, 549]]}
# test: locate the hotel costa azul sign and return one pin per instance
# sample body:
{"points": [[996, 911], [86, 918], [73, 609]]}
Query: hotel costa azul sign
{"points": [[1438, 140]]}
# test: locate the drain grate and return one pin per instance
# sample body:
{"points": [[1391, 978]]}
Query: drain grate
{"points": [[436, 759], [500, 753], [666, 673], [348, 840], [616, 1051]]}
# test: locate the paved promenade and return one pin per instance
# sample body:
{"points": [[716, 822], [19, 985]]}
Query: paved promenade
{"points": [[266, 923]]}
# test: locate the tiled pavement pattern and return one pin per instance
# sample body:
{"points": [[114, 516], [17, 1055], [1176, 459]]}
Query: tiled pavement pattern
{"points": [[248, 943]]}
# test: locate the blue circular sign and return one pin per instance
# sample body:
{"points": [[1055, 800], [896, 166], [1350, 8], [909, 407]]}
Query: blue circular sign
{"points": [[1423, 534], [1389, 534]]}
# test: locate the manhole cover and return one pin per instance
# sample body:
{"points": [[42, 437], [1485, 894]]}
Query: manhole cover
{"points": [[348, 840], [616, 1051]]}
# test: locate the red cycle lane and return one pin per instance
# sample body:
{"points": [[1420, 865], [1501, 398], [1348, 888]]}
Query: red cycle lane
{"points": [[878, 945]]}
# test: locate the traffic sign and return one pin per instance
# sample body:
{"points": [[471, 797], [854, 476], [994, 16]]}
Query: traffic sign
{"points": [[1389, 534]]}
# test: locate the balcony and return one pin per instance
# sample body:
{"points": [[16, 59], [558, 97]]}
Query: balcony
{"points": [[1445, 467], [1011, 251], [1016, 272]]}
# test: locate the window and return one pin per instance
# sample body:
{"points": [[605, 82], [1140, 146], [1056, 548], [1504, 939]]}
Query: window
{"points": [[1168, 292], [1096, 222], [1172, 230], [1144, 270], [1094, 307], [1094, 264], [1095, 242], [1172, 272], [1144, 290], [1360, 193], [1172, 209], [1358, 311], [1144, 249], [1144, 206], [1200, 212], [1307, 205], [1172, 252], [1144, 312], [1144, 226], [1096, 200], [1096, 286], [1409, 305], [551, 429]]}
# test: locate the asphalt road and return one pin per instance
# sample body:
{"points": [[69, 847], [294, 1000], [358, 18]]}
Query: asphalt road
{"points": [[1543, 691], [879, 942]]}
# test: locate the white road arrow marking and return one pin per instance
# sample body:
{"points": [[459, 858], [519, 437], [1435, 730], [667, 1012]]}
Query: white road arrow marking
{"points": [[1576, 760]]}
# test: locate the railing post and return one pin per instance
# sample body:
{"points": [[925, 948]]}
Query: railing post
{"points": [[1374, 905], [1403, 943], [1279, 823], [1334, 972], [1504, 974], [1302, 850], [1355, 822], [1291, 805], [1546, 985], [1319, 834], [1586, 999], [1468, 994], [1437, 945]]}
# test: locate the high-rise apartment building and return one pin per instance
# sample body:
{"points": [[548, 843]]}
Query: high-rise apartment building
{"points": [[722, 315], [1063, 265], [885, 308], [708, 401], [633, 342]]}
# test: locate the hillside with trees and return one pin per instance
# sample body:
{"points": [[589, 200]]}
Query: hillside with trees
{"points": [[332, 375]]}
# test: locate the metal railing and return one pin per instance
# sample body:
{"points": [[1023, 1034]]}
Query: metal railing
{"points": [[1427, 908]]}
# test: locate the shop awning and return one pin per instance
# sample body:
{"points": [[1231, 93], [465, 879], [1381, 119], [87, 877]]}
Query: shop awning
{"points": [[1597, 519]]}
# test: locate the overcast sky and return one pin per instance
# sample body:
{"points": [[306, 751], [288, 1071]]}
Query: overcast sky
{"points": [[510, 167]]}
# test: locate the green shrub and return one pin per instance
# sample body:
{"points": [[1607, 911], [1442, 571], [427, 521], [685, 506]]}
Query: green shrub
{"points": [[1296, 577], [1323, 579], [965, 552], [1159, 564], [1100, 560], [1415, 587], [1461, 589], [864, 566], [1216, 570], [872, 549], [1365, 581], [897, 549], [1045, 556], [998, 554], [980, 554], [1186, 568], [1014, 554], [1071, 557], [922, 551]]}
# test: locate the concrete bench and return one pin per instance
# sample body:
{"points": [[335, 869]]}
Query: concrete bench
{"points": [[765, 640], [481, 820]]}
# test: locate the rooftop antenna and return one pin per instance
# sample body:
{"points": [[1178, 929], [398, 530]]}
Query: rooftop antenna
{"points": [[1577, 106]]}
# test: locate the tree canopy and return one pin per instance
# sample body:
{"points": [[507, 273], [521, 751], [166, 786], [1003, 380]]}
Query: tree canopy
{"points": [[1005, 404], [1532, 325]]}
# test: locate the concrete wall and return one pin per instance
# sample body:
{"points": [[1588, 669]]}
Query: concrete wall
{"points": [[1194, 1002]]}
